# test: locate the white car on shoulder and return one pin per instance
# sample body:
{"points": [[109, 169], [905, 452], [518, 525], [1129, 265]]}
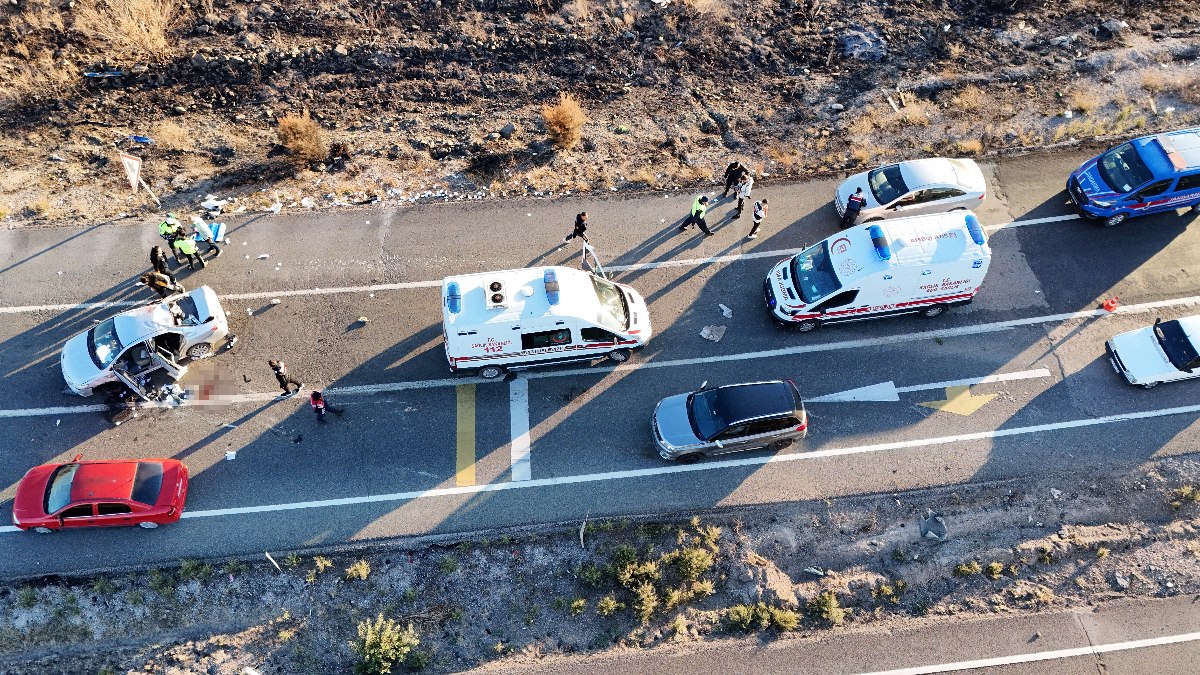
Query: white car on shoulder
{"points": [[915, 187], [1164, 352], [141, 348]]}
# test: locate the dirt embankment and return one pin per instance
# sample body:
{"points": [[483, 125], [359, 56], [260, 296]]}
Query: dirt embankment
{"points": [[781, 572], [443, 98]]}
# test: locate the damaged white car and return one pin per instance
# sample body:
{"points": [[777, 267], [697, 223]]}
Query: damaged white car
{"points": [[142, 349]]}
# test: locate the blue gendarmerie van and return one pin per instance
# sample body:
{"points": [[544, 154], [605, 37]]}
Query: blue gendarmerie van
{"points": [[1146, 175]]}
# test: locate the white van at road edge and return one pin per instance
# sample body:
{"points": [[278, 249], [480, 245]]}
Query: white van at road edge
{"points": [[493, 322], [924, 265]]}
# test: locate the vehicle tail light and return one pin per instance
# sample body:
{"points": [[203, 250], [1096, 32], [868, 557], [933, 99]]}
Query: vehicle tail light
{"points": [[981, 196], [802, 426], [635, 331]]}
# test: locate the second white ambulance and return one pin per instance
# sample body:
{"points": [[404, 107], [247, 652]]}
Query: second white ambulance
{"points": [[910, 265], [493, 322]]}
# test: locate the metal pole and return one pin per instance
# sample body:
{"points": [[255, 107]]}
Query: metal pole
{"points": [[143, 183]]}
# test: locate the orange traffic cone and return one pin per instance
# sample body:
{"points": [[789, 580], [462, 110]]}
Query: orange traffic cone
{"points": [[1110, 304]]}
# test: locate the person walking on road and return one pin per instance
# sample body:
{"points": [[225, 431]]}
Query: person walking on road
{"points": [[204, 233], [733, 174], [320, 404], [163, 284], [187, 247], [744, 186], [281, 374], [853, 205], [757, 215], [158, 262], [580, 229], [696, 217]]}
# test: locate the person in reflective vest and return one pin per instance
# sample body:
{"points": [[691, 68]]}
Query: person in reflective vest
{"points": [[696, 217], [170, 230], [186, 246]]}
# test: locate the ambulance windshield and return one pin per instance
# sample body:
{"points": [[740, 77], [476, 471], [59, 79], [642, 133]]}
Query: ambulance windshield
{"points": [[813, 275], [614, 313], [1123, 169]]}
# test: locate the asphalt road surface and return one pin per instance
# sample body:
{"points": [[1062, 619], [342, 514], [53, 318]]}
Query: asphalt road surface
{"points": [[421, 452]]}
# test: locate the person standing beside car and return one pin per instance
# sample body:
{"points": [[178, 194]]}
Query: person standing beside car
{"points": [[853, 206]]}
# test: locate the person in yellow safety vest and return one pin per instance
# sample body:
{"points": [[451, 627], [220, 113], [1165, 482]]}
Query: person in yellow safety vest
{"points": [[170, 230], [187, 247], [696, 217]]}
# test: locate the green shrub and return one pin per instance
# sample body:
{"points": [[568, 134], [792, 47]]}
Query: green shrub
{"points": [[635, 574], [749, 617], [381, 644], [703, 588], [358, 571], [103, 586], [994, 570], [195, 570], [292, 560], [590, 575], [968, 569], [1102, 552], [27, 597], [161, 582], [645, 602], [825, 609], [689, 563], [608, 605], [322, 563], [578, 605], [784, 619], [448, 565], [622, 556], [235, 567]]}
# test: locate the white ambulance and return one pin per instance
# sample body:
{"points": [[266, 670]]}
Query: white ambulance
{"points": [[924, 265], [494, 322]]}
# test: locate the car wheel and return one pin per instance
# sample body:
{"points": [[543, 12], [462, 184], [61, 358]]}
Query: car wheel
{"points": [[932, 311], [690, 458], [807, 325], [781, 444], [1149, 385], [148, 525], [490, 372], [43, 530], [200, 351], [1115, 220], [619, 355], [868, 221]]}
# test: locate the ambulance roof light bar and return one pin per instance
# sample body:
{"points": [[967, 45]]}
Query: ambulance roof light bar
{"points": [[552, 289], [975, 229], [453, 297], [1172, 154], [880, 242]]}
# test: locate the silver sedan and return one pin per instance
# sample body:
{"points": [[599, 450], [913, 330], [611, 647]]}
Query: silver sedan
{"points": [[914, 188], [725, 419]]}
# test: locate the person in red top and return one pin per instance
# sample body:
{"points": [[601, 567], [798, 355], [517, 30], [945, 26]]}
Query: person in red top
{"points": [[853, 206], [320, 405]]}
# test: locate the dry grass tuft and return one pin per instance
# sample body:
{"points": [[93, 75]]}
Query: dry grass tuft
{"points": [[136, 27], [564, 121], [1188, 90], [1084, 101], [972, 146], [170, 136], [39, 207], [302, 137], [716, 8], [969, 99], [1154, 81], [915, 114]]}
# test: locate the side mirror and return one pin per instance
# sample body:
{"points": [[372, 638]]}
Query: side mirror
{"points": [[1158, 321], [78, 457], [703, 385], [211, 318]]}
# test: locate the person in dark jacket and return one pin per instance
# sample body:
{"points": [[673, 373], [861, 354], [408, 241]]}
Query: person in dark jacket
{"points": [[580, 228], [320, 404], [158, 261], [285, 380], [733, 174], [853, 205]]}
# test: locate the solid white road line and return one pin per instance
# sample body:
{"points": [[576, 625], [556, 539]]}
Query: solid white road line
{"points": [[703, 466], [976, 329], [688, 262], [518, 414], [1091, 650], [1001, 377]]}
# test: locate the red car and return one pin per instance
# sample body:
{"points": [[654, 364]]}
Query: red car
{"points": [[145, 492]]}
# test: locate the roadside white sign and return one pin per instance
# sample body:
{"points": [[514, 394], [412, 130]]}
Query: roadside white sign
{"points": [[133, 169]]}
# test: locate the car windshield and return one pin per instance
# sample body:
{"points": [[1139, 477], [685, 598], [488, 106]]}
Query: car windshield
{"points": [[1123, 169], [703, 414], [1175, 343], [191, 315], [887, 184], [103, 343], [813, 275], [614, 312], [58, 490]]}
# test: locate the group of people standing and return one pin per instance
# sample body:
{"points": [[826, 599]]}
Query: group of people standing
{"points": [[740, 179], [183, 242]]}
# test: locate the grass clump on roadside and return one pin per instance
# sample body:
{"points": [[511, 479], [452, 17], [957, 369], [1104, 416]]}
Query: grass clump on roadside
{"points": [[1181, 497], [381, 644], [301, 137], [761, 616], [358, 571], [564, 121], [968, 569], [195, 570], [130, 26], [161, 582], [825, 609]]}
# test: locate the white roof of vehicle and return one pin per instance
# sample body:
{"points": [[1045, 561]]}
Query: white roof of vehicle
{"points": [[942, 170], [913, 242], [577, 296], [143, 323]]}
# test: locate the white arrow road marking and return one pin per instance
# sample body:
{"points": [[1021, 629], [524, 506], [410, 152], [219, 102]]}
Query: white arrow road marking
{"points": [[1091, 650], [879, 393], [518, 413], [889, 392], [688, 468], [686, 262]]}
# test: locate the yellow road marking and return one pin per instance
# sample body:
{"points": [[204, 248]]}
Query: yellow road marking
{"points": [[960, 401], [464, 473]]}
